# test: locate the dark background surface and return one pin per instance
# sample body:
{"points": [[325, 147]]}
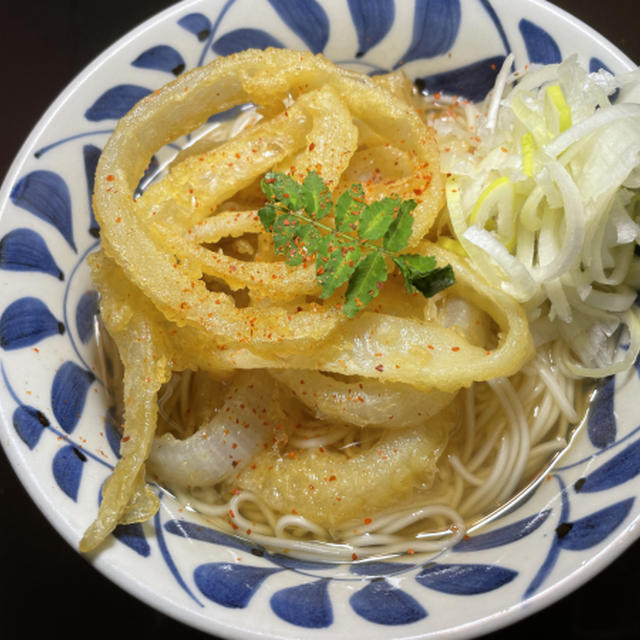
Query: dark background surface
{"points": [[45, 586]]}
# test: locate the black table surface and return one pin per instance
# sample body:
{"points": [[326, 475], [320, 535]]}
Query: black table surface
{"points": [[45, 586]]}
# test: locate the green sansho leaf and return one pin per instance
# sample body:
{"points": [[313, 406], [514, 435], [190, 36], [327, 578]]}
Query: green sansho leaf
{"points": [[305, 245], [413, 266], [282, 188], [438, 280], [348, 208], [294, 239], [335, 263], [399, 232], [377, 218], [284, 233], [316, 196], [267, 216], [365, 283], [348, 253]]}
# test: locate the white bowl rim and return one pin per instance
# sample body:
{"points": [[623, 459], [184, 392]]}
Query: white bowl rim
{"points": [[142, 592]]}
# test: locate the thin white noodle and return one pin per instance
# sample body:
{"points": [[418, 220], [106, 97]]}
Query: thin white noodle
{"points": [[554, 388], [332, 436], [469, 477], [247, 496], [544, 420], [520, 433], [543, 450], [469, 422], [478, 497], [485, 451], [288, 521]]}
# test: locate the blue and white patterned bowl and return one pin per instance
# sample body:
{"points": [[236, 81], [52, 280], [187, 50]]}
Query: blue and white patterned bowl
{"points": [[54, 421]]}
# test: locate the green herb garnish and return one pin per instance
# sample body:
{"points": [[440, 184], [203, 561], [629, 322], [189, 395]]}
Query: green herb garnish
{"points": [[353, 251]]}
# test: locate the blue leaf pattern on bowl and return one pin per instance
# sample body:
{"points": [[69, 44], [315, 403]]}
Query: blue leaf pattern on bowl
{"points": [[195, 531], [68, 394], [601, 423], [621, 468], [288, 562], [196, 23], [594, 528], [372, 20], [29, 422], [111, 431], [26, 250], [133, 536], [472, 81], [241, 39], [231, 585], [46, 195], [86, 311], [435, 27], [26, 322], [464, 579], [541, 47], [383, 603], [307, 605], [307, 19], [161, 58], [67, 468], [373, 568], [91, 155], [503, 535], [115, 102]]}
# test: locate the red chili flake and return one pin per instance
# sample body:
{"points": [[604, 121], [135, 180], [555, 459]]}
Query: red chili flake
{"points": [[332, 478], [455, 348], [312, 146], [367, 520], [110, 178], [380, 368], [126, 439], [233, 515], [354, 556]]}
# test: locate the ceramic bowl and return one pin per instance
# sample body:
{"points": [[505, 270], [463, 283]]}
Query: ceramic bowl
{"points": [[54, 419]]}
